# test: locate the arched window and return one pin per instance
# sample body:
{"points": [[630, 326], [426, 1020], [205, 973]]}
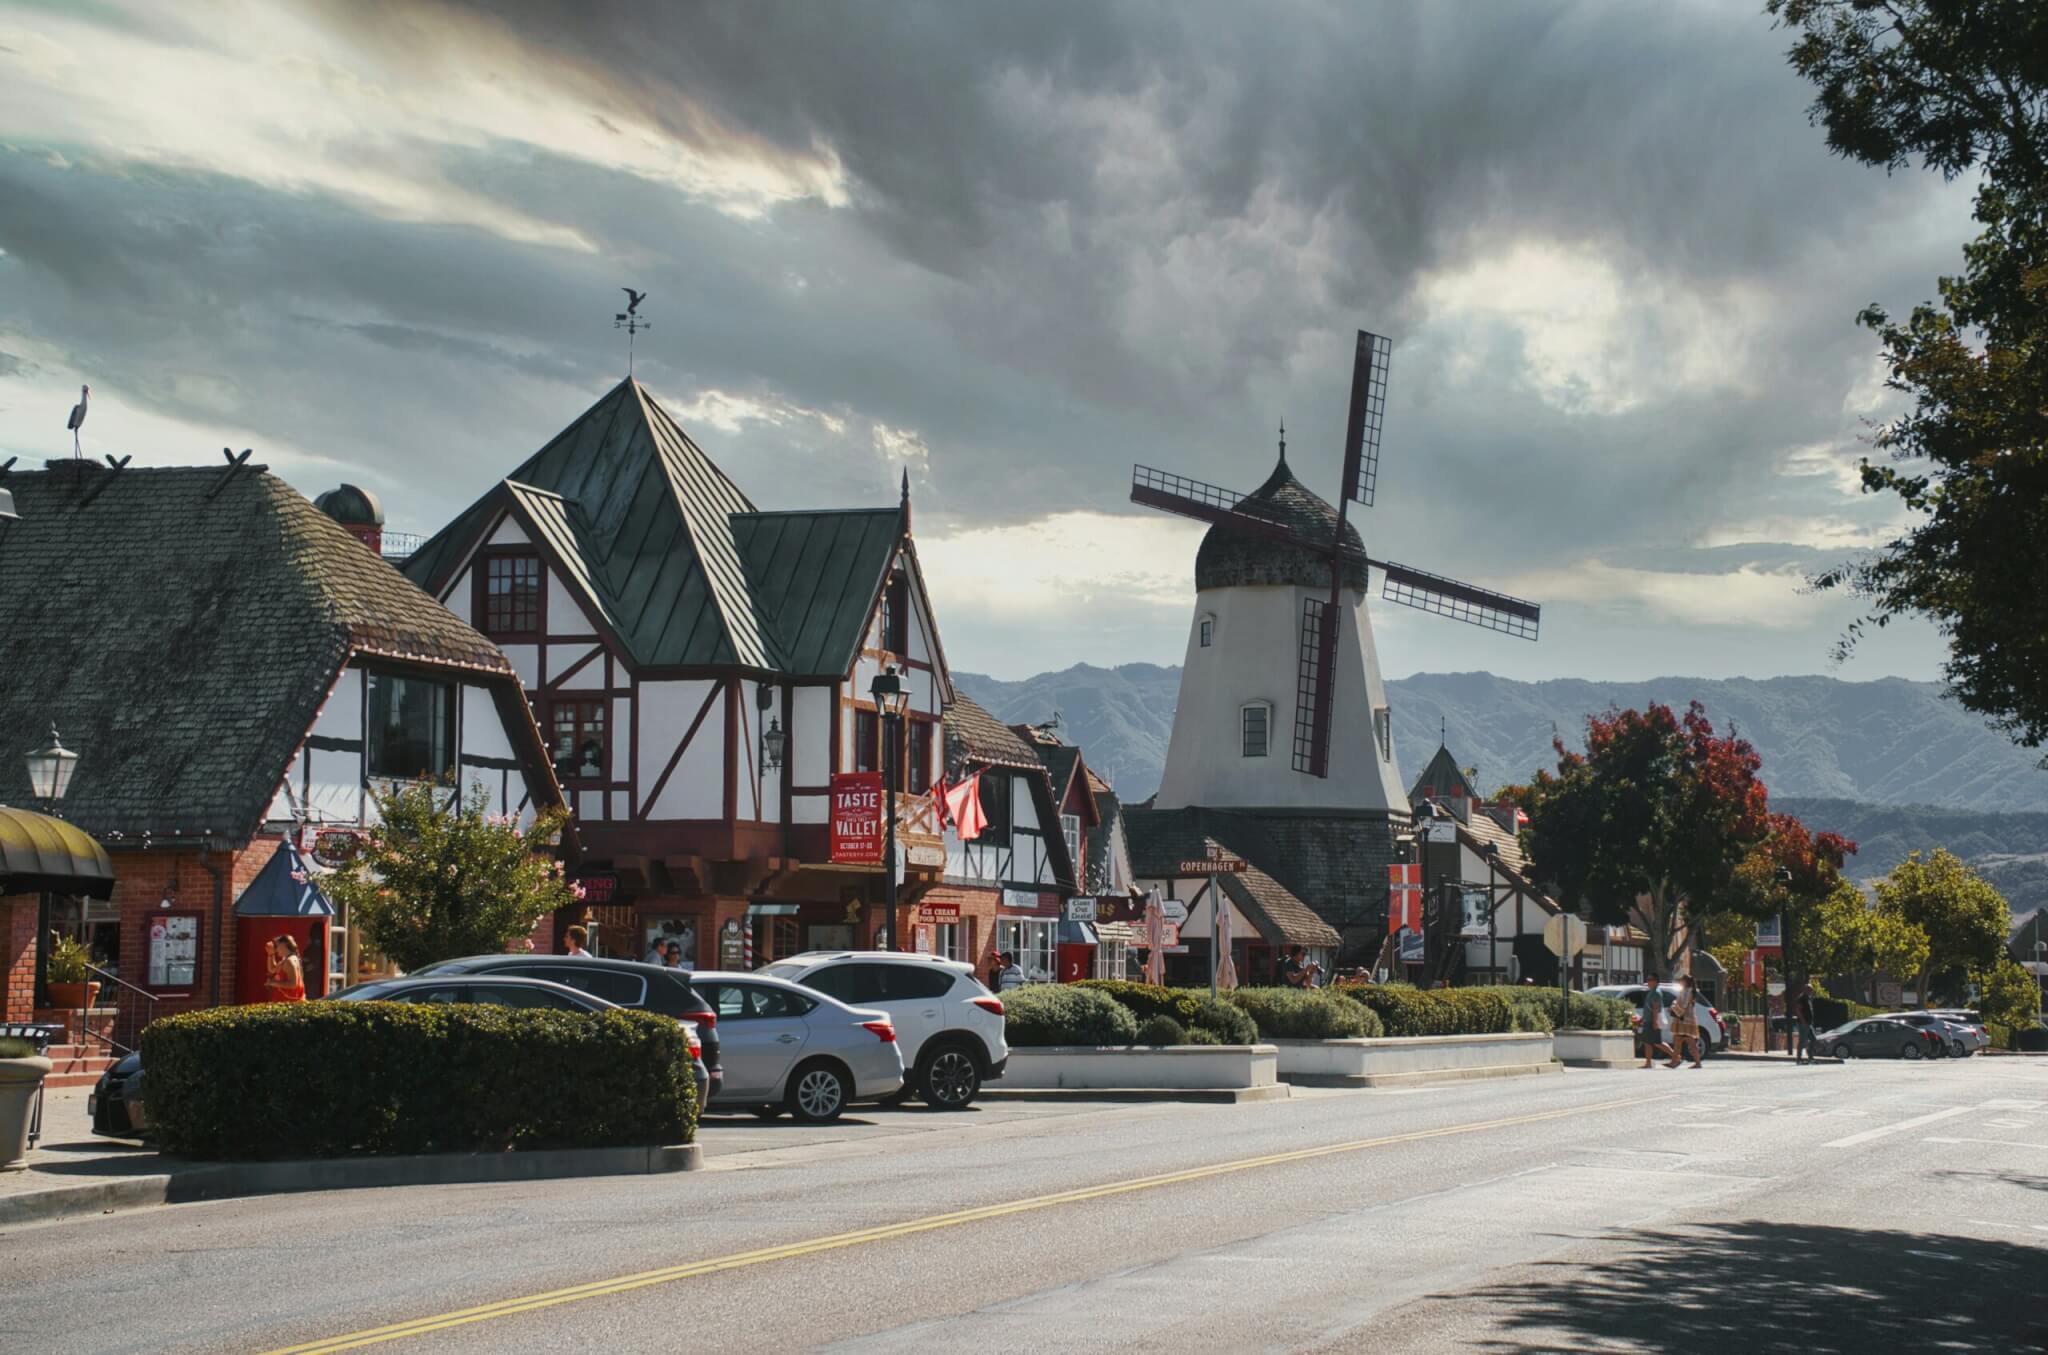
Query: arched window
{"points": [[1255, 726]]}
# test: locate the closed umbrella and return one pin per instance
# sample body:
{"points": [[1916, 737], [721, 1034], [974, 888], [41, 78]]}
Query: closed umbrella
{"points": [[1226, 965]]}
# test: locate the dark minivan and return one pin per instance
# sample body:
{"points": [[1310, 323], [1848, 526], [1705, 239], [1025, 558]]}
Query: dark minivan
{"points": [[626, 983]]}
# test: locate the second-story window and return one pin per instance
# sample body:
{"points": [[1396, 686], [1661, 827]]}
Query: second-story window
{"points": [[1070, 828], [867, 741], [511, 589], [1208, 631], [918, 775], [577, 739], [411, 727], [896, 615]]}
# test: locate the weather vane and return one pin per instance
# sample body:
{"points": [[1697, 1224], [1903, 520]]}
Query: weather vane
{"points": [[631, 321]]}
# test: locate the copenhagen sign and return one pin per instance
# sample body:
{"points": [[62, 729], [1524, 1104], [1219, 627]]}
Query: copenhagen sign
{"points": [[857, 819], [1214, 865]]}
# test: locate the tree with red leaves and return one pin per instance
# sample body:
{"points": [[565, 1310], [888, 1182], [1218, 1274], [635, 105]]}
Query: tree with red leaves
{"points": [[1796, 873], [1655, 817]]}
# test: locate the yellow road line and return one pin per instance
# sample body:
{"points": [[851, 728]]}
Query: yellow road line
{"points": [[462, 1317]]}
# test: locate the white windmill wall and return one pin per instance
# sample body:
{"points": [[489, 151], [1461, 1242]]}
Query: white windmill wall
{"points": [[1253, 656]]}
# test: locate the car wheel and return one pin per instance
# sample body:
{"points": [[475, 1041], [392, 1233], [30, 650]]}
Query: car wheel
{"points": [[950, 1079], [1842, 1052], [1909, 1051], [818, 1093], [1959, 1049]]}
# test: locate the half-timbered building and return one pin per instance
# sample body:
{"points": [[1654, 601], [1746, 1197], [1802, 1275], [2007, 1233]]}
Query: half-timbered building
{"points": [[702, 669]]}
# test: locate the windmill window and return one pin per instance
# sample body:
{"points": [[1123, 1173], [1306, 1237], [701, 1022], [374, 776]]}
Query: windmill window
{"points": [[1208, 631], [1256, 725], [511, 595], [1383, 730]]}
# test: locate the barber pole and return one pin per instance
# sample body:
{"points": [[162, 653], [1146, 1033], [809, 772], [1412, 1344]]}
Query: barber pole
{"points": [[747, 941]]}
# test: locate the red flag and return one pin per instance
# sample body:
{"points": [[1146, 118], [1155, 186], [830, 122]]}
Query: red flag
{"points": [[963, 807], [939, 792]]}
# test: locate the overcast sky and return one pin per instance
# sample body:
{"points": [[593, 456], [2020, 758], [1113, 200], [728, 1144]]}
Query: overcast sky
{"points": [[1012, 249]]}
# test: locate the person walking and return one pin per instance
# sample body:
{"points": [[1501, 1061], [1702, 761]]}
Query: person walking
{"points": [[287, 981], [1685, 1026], [1012, 976], [1802, 1023], [1652, 1030], [572, 942]]}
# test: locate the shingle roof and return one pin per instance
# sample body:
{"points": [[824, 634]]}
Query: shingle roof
{"points": [[973, 735], [1162, 838], [1230, 557], [1059, 760], [1442, 779], [665, 545], [1279, 915], [1484, 830], [1101, 842], [1321, 859], [182, 629]]}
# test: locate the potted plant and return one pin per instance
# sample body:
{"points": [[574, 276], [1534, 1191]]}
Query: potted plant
{"points": [[67, 976], [22, 1071]]}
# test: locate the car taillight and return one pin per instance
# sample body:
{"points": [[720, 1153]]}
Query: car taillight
{"points": [[1714, 1012], [696, 1047], [703, 1018], [992, 1005], [884, 1032]]}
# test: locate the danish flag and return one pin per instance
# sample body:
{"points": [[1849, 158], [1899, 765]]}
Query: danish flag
{"points": [[1404, 898], [960, 806]]}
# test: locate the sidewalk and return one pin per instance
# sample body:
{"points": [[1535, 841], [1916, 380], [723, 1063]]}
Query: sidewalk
{"points": [[70, 1171]]}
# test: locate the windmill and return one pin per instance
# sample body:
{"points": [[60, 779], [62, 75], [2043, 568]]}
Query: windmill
{"points": [[1321, 620]]}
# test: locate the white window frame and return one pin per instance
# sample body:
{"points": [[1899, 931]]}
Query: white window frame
{"points": [[1036, 944], [1111, 959], [1205, 630], [946, 940], [1266, 737], [1383, 730], [1070, 828]]}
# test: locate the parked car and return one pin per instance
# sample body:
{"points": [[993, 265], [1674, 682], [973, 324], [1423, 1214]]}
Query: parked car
{"points": [[1713, 1030], [116, 1104], [1976, 1036], [796, 1049], [1879, 1037], [624, 983], [949, 1024]]}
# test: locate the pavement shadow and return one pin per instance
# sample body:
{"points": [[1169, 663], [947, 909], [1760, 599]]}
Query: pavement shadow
{"points": [[1750, 1286], [2011, 1178]]}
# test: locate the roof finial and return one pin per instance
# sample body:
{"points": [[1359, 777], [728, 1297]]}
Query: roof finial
{"points": [[1443, 736], [632, 322], [1283, 442], [906, 498]]}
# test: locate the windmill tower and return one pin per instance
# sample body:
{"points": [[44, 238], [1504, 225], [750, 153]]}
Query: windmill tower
{"points": [[1282, 711]]}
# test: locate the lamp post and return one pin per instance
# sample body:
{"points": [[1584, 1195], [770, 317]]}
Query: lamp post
{"points": [[773, 741], [49, 770], [890, 699], [1492, 916]]}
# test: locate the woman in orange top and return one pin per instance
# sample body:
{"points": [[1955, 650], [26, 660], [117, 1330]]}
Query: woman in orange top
{"points": [[287, 982]]}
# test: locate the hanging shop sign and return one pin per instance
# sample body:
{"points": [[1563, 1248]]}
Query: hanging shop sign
{"points": [[333, 848], [1413, 948], [599, 887], [1080, 910], [857, 818]]}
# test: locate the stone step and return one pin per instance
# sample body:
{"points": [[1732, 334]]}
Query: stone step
{"points": [[58, 1080]]}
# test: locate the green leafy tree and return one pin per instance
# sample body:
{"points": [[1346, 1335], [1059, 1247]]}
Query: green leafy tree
{"points": [[1658, 811], [431, 884], [2007, 995], [1962, 86], [1795, 874], [1891, 945], [1965, 920]]}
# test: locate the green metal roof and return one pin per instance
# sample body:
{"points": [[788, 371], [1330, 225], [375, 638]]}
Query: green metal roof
{"points": [[673, 557]]}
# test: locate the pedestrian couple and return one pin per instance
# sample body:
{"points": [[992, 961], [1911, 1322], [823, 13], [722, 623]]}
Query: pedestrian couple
{"points": [[1671, 1025]]}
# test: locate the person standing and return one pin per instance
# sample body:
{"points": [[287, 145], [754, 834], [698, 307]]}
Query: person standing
{"points": [[1012, 976], [1802, 1023], [1291, 973], [1651, 1027], [572, 942], [287, 981], [1685, 1027]]}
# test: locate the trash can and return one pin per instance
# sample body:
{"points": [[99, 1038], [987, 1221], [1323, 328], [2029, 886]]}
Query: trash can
{"points": [[22, 1070]]}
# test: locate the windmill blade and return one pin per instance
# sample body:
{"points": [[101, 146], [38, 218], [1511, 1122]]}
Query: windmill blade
{"points": [[1208, 503], [1460, 601], [1368, 412], [1313, 695]]}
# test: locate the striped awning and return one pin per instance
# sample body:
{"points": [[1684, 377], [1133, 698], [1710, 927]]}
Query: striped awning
{"points": [[40, 853]]}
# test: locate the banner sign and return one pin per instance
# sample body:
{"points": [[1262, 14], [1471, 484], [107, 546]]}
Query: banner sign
{"points": [[1768, 936], [856, 818], [1404, 897]]}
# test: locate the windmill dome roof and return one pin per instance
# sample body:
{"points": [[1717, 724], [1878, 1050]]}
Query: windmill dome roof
{"points": [[351, 505], [1233, 558]]}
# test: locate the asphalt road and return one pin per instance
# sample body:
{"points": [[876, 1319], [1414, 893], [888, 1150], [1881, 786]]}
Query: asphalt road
{"points": [[1751, 1206]]}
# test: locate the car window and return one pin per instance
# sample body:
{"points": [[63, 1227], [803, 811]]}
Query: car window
{"points": [[727, 1000], [912, 981], [672, 995], [767, 1002], [518, 995], [628, 990], [433, 997], [851, 983]]}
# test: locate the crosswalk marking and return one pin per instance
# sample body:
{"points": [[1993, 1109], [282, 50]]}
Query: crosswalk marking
{"points": [[1885, 1129]]}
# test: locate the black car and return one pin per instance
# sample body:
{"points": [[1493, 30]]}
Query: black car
{"points": [[623, 983], [1879, 1037]]}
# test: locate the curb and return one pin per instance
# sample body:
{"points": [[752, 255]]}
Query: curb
{"points": [[230, 1180], [1216, 1096], [1424, 1076]]}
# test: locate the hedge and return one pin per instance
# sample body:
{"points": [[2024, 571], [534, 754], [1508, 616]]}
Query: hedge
{"points": [[2025, 1039], [330, 1079], [1160, 1031], [1545, 1009], [1148, 999], [1224, 1020], [1045, 1014], [1405, 1011], [1305, 1014]]}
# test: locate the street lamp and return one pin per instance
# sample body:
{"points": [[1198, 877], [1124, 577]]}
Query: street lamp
{"points": [[773, 741], [50, 768], [890, 700]]}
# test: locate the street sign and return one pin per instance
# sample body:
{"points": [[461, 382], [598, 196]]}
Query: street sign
{"points": [[1175, 911], [1768, 935], [1414, 948], [1564, 936], [1080, 910], [1213, 865], [1441, 830]]}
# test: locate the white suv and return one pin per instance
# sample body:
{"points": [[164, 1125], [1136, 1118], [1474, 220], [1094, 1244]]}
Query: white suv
{"points": [[949, 1026], [1713, 1032]]}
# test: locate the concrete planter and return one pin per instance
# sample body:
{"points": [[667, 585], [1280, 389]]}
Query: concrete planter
{"points": [[1189, 1067], [1595, 1048], [20, 1080], [1426, 1058]]}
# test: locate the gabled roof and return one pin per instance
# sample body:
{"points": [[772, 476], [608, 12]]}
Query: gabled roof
{"points": [[973, 735], [673, 558], [181, 627], [1443, 779], [1279, 915], [1101, 841], [1160, 839], [284, 888]]}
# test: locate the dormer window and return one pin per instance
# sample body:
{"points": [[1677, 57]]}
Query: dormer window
{"points": [[1255, 726], [1208, 631], [509, 587]]}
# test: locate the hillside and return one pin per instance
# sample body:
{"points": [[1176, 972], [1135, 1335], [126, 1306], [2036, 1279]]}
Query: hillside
{"points": [[1889, 742], [2010, 850]]}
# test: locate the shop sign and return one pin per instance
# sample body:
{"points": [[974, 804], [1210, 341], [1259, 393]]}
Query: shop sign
{"points": [[1021, 900], [1441, 830], [1413, 949], [857, 818], [599, 887], [924, 940], [939, 912], [1174, 911], [334, 848], [1768, 935], [173, 950], [1080, 910], [927, 856], [732, 950]]}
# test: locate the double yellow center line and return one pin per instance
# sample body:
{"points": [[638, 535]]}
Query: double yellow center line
{"points": [[689, 1270]]}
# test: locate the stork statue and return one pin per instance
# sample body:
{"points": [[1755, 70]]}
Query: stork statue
{"points": [[77, 419], [631, 321]]}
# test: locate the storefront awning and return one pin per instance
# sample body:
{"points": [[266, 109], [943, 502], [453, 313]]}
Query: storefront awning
{"points": [[40, 853], [283, 888]]}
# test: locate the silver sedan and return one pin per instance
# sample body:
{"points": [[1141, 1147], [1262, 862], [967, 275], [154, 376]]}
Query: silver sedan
{"points": [[786, 1047]]}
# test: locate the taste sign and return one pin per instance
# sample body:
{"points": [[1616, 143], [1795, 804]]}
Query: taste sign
{"points": [[857, 819]]}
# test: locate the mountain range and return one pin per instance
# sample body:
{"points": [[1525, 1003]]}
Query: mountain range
{"points": [[1895, 765]]}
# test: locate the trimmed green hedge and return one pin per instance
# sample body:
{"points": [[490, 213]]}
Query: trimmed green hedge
{"points": [[1148, 999], [1160, 1031], [330, 1079], [1223, 1019], [1544, 1009], [1405, 1011], [1305, 1014], [1045, 1014]]}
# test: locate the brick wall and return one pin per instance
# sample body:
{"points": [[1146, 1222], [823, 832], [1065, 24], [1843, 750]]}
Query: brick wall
{"points": [[142, 882], [18, 956]]}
